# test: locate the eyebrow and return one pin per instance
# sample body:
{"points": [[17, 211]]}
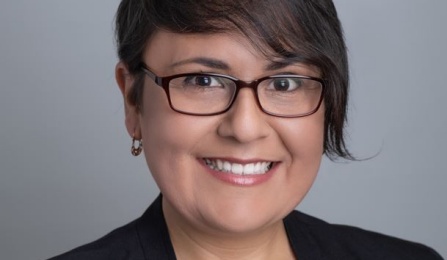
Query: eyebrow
{"points": [[207, 62], [221, 65], [280, 64]]}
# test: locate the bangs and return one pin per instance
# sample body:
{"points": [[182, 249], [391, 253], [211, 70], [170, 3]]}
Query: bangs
{"points": [[292, 30], [281, 30]]}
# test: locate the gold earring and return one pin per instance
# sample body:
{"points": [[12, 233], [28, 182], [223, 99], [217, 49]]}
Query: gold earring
{"points": [[136, 150]]}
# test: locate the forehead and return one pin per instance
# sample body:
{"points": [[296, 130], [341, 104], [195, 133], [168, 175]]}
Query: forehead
{"points": [[229, 51], [220, 45]]}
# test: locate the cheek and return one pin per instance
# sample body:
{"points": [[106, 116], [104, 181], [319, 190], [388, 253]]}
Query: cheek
{"points": [[304, 138], [162, 128], [159, 129], [170, 139]]}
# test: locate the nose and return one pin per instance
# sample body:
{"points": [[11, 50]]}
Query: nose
{"points": [[244, 122]]}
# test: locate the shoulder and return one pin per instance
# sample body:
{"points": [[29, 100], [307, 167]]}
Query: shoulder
{"points": [[118, 244], [331, 241], [143, 238]]}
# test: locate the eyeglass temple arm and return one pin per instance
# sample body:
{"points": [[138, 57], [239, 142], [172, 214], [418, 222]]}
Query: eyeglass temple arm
{"points": [[151, 75]]}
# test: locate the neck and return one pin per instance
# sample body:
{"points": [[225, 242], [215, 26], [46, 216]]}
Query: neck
{"points": [[198, 243]]}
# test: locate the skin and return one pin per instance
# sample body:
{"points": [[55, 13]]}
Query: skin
{"points": [[206, 217]]}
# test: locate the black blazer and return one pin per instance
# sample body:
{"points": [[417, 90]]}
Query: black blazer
{"points": [[147, 238]]}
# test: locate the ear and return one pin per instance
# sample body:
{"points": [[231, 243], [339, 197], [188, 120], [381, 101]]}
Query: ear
{"points": [[125, 82]]}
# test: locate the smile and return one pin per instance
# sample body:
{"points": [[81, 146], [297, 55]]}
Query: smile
{"points": [[256, 168]]}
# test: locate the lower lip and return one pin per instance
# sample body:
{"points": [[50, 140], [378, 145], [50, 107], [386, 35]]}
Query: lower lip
{"points": [[241, 180]]}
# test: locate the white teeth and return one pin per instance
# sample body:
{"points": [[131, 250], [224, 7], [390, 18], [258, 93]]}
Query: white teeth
{"points": [[239, 169], [249, 168], [226, 167], [257, 167], [219, 164]]}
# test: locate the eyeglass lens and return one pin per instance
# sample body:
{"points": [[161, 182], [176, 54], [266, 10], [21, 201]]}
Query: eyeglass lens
{"points": [[279, 95]]}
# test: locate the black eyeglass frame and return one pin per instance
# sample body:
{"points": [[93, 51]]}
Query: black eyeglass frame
{"points": [[163, 82]]}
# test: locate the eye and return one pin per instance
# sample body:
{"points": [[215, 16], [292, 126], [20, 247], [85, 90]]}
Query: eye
{"points": [[286, 84], [202, 81]]}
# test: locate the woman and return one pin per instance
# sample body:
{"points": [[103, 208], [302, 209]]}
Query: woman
{"points": [[236, 102]]}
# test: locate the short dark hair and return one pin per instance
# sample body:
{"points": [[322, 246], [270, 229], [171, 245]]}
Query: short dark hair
{"points": [[307, 31]]}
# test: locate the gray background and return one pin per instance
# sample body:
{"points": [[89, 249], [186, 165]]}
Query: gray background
{"points": [[67, 176]]}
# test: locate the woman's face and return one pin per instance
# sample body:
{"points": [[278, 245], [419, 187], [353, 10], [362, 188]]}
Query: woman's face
{"points": [[177, 146]]}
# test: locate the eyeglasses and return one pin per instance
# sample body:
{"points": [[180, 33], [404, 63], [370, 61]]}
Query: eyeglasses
{"points": [[206, 94]]}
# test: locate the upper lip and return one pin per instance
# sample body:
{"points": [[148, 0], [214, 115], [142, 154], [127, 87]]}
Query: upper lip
{"points": [[238, 160]]}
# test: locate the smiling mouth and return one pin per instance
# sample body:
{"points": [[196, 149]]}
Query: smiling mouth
{"points": [[256, 168]]}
